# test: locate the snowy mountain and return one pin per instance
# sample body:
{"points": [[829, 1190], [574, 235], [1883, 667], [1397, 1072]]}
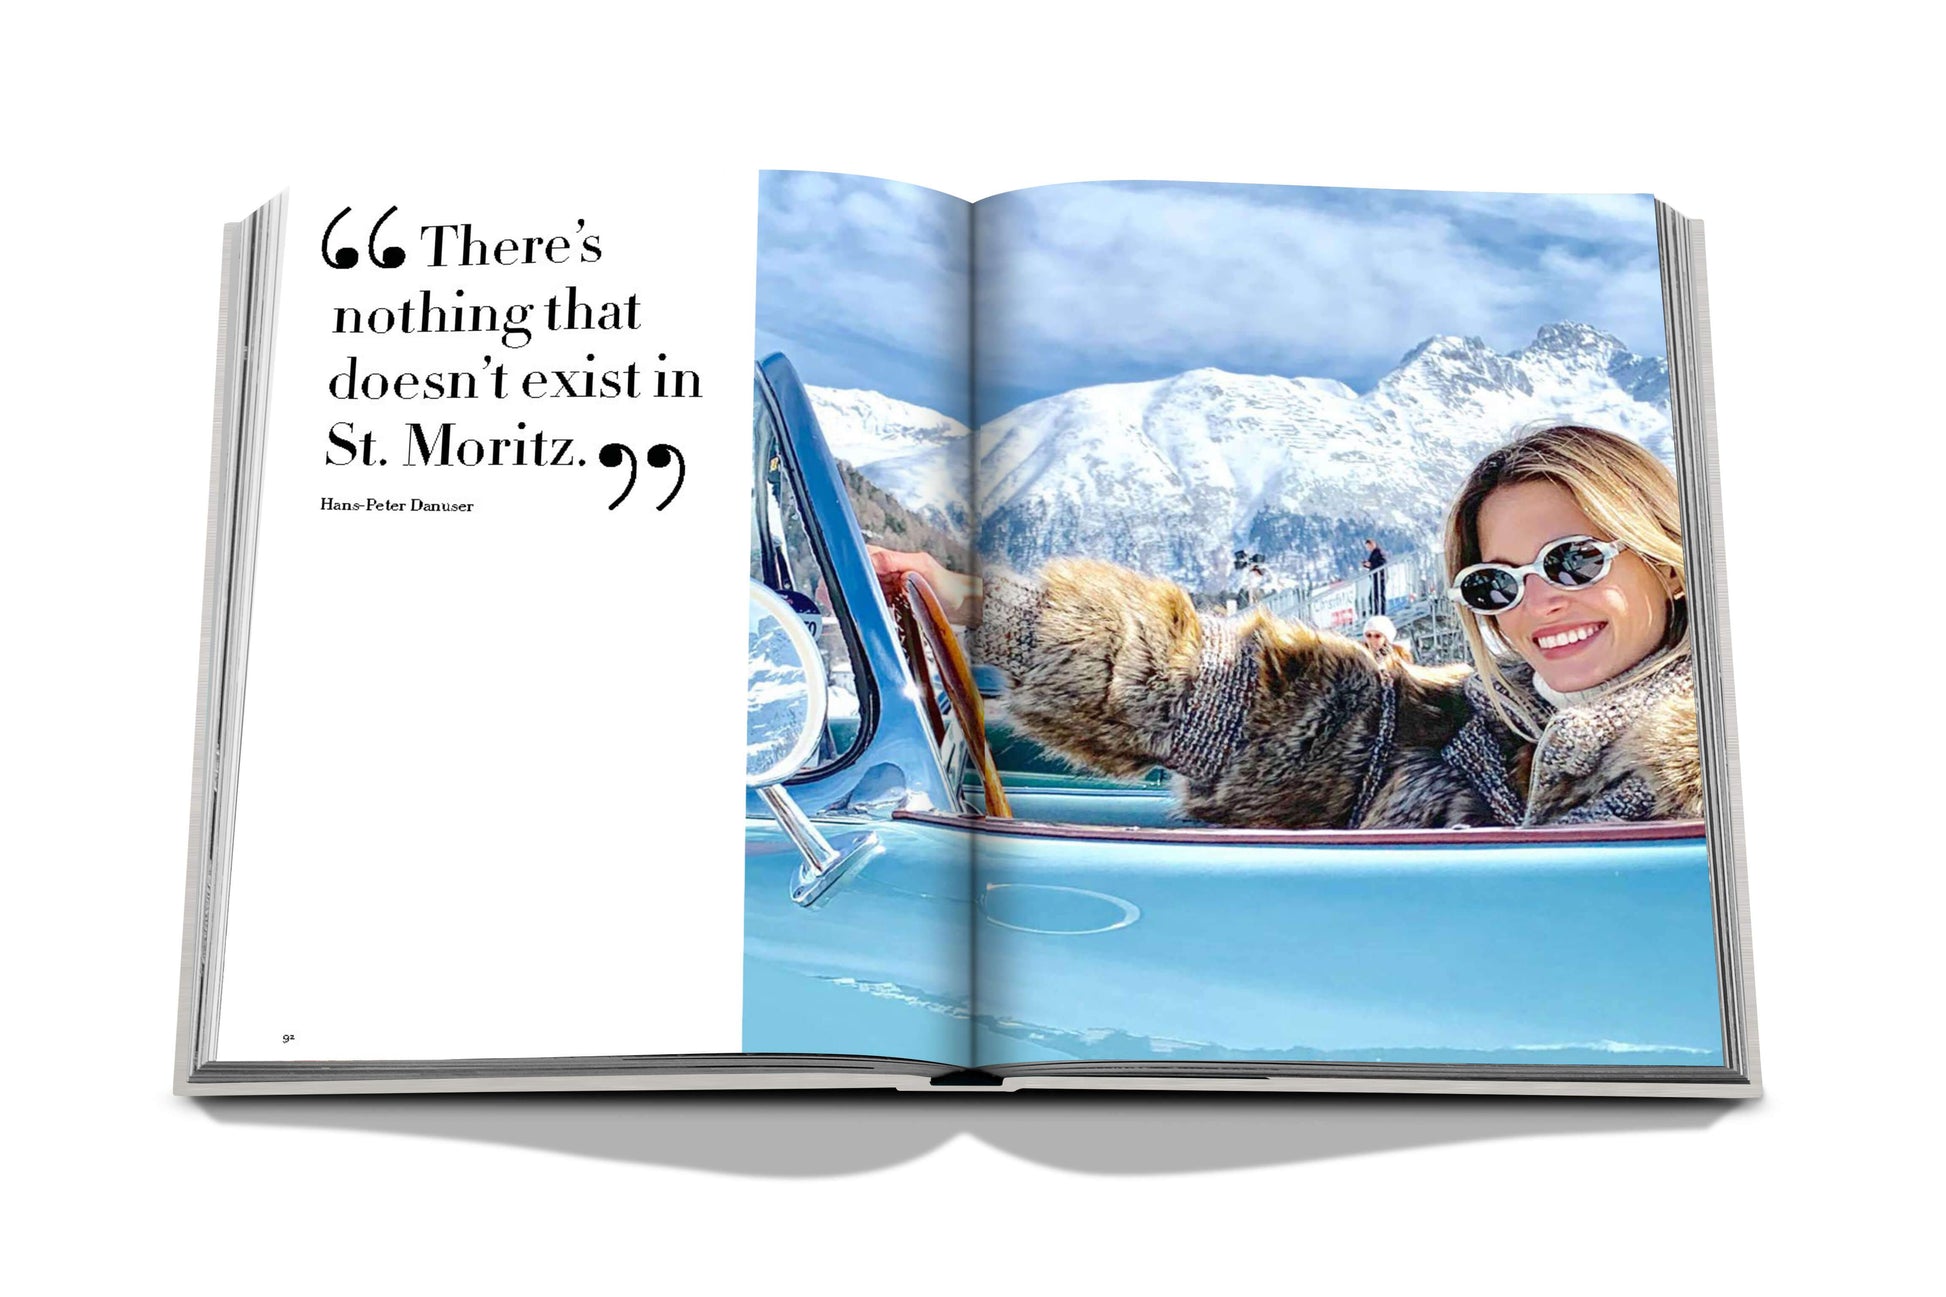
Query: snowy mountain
{"points": [[919, 456], [1170, 476]]}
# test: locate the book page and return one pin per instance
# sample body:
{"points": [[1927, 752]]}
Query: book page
{"points": [[1264, 806], [488, 802]]}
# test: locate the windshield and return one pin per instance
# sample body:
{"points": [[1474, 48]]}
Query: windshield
{"points": [[784, 557]]}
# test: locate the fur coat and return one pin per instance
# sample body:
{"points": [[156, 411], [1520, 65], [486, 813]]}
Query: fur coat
{"points": [[1269, 724]]}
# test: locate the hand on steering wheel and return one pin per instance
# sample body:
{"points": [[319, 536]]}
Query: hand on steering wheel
{"points": [[913, 601]]}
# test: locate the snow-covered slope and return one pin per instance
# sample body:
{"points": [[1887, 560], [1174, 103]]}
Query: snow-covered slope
{"points": [[919, 456], [1170, 476]]}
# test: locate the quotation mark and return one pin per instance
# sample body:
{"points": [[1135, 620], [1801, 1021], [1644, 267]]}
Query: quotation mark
{"points": [[345, 258], [660, 455]]}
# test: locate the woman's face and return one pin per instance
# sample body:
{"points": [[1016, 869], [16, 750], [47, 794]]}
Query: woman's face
{"points": [[1574, 639]]}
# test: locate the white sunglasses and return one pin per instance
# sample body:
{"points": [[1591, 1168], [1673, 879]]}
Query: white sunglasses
{"points": [[1570, 563]]}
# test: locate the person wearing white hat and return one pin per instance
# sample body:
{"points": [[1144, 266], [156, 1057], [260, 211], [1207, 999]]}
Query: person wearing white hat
{"points": [[1382, 638]]}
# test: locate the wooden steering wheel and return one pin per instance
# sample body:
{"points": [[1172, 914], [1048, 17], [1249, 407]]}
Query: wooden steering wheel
{"points": [[921, 617]]}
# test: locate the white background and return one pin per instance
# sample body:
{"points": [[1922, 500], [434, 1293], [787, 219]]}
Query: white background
{"points": [[1809, 148]]}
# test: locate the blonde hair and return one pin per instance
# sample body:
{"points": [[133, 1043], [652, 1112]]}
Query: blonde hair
{"points": [[1626, 492]]}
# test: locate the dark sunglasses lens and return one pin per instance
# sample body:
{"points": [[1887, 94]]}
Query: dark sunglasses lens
{"points": [[1575, 563], [1490, 590]]}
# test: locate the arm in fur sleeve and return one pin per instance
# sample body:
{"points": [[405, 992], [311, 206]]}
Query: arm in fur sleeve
{"points": [[1098, 659], [1268, 723]]}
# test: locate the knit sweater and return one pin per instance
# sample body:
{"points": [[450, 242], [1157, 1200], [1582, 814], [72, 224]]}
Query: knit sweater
{"points": [[1268, 723]]}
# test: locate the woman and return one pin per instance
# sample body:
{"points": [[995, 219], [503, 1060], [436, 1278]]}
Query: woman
{"points": [[1381, 636], [1565, 554]]}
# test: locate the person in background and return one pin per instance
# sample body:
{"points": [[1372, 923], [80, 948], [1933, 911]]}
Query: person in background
{"points": [[1375, 564], [1254, 583]]}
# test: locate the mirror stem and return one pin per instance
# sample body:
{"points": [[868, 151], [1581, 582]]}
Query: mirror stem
{"points": [[821, 862]]}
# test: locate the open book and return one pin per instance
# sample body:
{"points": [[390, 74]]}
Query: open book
{"points": [[1195, 636]]}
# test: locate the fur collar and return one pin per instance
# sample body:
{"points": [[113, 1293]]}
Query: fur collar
{"points": [[1569, 743]]}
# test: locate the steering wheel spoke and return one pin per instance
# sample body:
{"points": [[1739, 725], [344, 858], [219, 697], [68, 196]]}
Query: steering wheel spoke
{"points": [[921, 607], [915, 655]]}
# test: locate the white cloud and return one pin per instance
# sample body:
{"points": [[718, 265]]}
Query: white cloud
{"points": [[865, 279], [875, 259], [1291, 281]]}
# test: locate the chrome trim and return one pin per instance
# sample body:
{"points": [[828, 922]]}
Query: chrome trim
{"points": [[899, 734], [772, 605], [824, 862]]}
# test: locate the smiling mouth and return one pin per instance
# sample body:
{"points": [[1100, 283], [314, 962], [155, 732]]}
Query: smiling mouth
{"points": [[1560, 643]]}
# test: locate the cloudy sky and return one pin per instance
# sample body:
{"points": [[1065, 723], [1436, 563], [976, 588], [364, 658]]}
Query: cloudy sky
{"points": [[862, 282]]}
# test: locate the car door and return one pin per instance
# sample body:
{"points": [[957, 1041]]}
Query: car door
{"points": [[1128, 940]]}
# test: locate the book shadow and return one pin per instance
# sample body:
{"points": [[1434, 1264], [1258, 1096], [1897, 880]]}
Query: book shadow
{"points": [[819, 1134]]}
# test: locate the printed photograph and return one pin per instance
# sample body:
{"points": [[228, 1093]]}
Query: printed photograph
{"points": [[1199, 561]]}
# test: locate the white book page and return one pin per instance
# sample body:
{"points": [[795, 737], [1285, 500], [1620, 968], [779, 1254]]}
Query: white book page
{"points": [[489, 789]]}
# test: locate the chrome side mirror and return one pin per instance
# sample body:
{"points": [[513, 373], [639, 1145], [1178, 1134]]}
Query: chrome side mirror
{"points": [[785, 713]]}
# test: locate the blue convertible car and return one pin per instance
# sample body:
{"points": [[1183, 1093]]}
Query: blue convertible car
{"points": [[914, 895]]}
